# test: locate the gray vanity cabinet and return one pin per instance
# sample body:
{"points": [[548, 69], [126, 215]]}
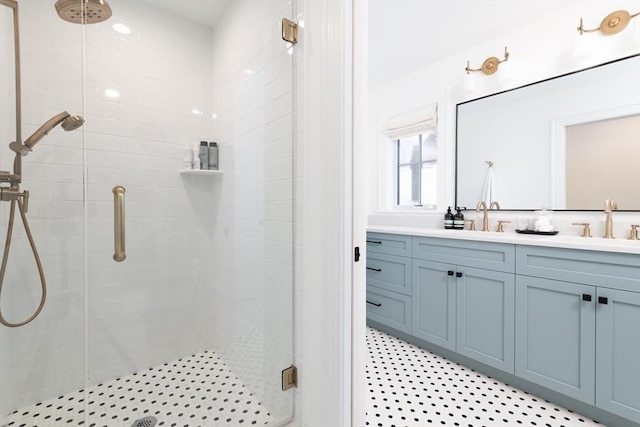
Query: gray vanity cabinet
{"points": [[564, 319], [580, 335], [389, 280], [464, 307]]}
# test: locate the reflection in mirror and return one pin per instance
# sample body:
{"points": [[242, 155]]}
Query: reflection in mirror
{"points": [[7, 77], [592, 148], [524, 133]]}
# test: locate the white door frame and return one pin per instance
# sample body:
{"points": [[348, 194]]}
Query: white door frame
{"points": [[326, 359]]}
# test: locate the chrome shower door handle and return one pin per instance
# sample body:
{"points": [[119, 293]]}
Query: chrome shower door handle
{"points": [[119, 254]]}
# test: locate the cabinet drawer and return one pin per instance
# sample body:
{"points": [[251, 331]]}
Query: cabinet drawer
{"points": [[389, 308], [607, 269], [487, 255], [389, 272], [392, 244]]}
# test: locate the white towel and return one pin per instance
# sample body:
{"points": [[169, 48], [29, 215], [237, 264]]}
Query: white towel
{"points": [[490, 190]]}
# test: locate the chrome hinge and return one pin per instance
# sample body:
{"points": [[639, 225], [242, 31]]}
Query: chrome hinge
{"points": [[289, 31], [289, 378]]}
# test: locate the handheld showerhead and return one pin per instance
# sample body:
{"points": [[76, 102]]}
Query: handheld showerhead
{"points": [[68, 121], [72, 123]]}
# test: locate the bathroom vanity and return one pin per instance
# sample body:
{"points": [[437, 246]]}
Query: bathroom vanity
{"points": [[556, 316]]}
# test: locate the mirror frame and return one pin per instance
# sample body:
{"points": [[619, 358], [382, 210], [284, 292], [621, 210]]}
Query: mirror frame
{"points": [[517, 88]]}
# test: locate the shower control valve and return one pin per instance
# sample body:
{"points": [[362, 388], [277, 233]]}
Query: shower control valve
{"points": [[8, 194]]}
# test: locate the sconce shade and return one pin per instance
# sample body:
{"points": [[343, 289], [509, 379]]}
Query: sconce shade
{"points": [[469, 82], [579, 48], [635, 33], [507, 71]]}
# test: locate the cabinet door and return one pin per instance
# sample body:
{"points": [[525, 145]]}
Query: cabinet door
{"points": [[485, 316], [555, 335], [618, 352], [434, 303]]}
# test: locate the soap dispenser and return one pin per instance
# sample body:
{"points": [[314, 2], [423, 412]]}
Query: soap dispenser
{"points": [[458, 220], [448, 219]]}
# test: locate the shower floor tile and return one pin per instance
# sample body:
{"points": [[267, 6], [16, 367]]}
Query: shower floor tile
{"points": [[194, 391], [410, 387]]}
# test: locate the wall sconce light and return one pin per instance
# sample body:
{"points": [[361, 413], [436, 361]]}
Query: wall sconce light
{"points": [[612, 24], [490, 65]]}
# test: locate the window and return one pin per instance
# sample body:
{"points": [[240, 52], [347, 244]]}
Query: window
{"points": [[410, 177], [416, 176]]}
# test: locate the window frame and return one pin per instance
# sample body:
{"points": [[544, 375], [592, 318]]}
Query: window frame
{"points": [[420, 164]]}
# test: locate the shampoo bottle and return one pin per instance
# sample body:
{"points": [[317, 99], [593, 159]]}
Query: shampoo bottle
{"points": [[213, 156], [204, 155], [196, 157], [448, 219], [188, 158], [458, 220]]}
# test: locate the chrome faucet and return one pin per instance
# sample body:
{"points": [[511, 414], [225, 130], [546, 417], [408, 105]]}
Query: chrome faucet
{"points": [[610, 205], [485, 218]]}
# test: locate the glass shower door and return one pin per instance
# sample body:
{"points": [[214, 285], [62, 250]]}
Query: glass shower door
{"points": [[194, 326]]}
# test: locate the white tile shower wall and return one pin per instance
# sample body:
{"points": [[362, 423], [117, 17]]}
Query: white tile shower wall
{"points": [[253, 99], [146, 310]]}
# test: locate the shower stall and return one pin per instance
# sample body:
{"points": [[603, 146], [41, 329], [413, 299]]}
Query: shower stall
{"points": [[193, 327]]}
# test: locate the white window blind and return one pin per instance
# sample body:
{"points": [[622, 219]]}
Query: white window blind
{"points": [[410, 123]]}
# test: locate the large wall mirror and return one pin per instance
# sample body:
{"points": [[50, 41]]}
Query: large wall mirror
{"points": [[567, 143]]}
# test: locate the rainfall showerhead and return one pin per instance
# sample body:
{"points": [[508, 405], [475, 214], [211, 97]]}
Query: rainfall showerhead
{"points": [[68, 121], [83, 11]]}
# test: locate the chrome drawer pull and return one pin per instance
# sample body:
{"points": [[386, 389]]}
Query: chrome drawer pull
{"points": [[377, 304], [374, 269]]}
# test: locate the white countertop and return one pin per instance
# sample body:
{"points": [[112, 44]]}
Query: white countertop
{"points": [[558, 241]]}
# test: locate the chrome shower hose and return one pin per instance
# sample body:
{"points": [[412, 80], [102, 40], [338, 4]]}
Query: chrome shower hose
{"points": [[5, 258]]}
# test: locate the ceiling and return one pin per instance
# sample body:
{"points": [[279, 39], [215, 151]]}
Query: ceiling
{"points": [[405, 35], [206, 12]]}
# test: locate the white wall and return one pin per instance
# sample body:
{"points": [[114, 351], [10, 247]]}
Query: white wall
{"points": [[539, 50]]}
